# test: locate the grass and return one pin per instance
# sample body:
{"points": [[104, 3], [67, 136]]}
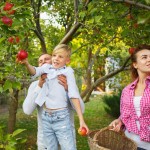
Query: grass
{"points": [[95, 117]]}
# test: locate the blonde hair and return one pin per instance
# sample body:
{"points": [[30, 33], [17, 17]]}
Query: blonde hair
{"points": [[62, 48]]}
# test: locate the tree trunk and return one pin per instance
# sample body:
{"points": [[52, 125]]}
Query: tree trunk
{"points": [[13, 106], [103, 79]]}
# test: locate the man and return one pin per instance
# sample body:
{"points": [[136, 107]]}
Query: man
{"points": [[29, 104]]}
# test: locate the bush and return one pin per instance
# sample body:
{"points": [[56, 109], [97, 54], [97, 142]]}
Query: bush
{"points": [[112, 104], [9, 141]]}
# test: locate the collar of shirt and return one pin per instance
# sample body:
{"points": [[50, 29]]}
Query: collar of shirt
{"points": [[64, 67], [53, 72], [134, 83]]}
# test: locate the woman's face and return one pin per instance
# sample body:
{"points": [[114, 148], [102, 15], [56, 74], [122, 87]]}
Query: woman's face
{"points": [[143, 61]]}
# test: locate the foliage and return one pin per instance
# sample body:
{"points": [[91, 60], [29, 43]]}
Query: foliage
{"points": [[94, 29], [9, 141], [97, 28], [112, 104]]}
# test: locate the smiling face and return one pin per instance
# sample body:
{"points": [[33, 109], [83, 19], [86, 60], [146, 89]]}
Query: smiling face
{"points": [[60, 58], [44, 59], [142, 63]]}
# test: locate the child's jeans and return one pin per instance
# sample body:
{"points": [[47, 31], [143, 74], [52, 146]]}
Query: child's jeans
{"points": [[140, 148], [57, 128]]}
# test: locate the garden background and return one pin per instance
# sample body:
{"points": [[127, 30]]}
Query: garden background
{"points": [[100, 33]]}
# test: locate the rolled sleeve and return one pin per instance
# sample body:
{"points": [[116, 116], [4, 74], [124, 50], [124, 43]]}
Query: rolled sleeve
{"points": [[41, 70]]}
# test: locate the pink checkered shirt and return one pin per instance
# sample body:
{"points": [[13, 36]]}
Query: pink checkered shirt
{"points": [[128, 114]]}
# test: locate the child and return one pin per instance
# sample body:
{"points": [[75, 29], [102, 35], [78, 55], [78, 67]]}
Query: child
{"points": [[56, 120]]}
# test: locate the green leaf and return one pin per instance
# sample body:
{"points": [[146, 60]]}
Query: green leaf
{"points": [[7, 85], [82, 14], [22, 140], [143, 20], [1, 89], [16, 85], [147, 1], [18, 131], [2, 39]]}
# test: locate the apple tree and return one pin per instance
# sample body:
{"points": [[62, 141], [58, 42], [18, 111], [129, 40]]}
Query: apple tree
{"points": [[96, 30]]}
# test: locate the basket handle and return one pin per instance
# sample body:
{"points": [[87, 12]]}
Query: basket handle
{"points": [[120, 132], [106, 128]]}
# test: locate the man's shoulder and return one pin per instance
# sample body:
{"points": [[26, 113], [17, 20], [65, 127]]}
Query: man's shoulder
{"points": [[34, 83]]}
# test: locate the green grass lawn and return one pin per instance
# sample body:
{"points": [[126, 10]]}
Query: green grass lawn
{"points": [[95, 117]]}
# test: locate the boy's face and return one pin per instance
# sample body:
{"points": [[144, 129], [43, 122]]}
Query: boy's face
{"points": [[60, 59], [45, 59]]}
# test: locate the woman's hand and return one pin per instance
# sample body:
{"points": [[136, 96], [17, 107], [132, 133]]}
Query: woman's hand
{"points": [[116, 124]]}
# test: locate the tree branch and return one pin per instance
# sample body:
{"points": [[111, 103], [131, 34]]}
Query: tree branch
{"points": [[67, 38], [37, 30], [76, 10], [104, 78], [134, 3]]}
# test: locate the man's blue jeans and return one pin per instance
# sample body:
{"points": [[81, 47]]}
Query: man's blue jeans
{"points": [[57, 128]]}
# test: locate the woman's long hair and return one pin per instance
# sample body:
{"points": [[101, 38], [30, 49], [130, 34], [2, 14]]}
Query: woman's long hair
{"points": [[134, 72]]}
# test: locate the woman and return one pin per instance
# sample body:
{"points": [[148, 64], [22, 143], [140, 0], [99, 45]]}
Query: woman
{"points": [[135, 100]]}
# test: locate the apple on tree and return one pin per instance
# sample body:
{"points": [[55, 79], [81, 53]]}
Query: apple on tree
{"points": [[11, 12], [22, 54], [7, 6], [135, 25], [129, 17], [131, 50], [11, 40], [83, 131], [17, 39], [7, 21]]}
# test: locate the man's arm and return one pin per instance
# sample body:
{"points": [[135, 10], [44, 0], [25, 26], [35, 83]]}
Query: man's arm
{"points": [[63, 81], [29, 104], [35, 88]]}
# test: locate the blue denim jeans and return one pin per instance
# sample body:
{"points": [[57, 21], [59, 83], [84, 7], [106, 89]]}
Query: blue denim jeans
{"points": [[57, 128], [140, 148]]}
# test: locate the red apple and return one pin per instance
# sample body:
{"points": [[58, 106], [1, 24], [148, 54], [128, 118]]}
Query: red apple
{"points": [[135, 25], [22, 54], [11, 40], [11, 12], [17, 39], [7, 6], [7, 21], [83, 131], [127, 4], [131, 50], [129, 17]]}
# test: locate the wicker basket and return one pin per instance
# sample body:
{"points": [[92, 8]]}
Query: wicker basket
{"points": [[106, 139]]}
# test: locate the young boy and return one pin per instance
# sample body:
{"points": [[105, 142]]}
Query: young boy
{"points": [[56, 120]]}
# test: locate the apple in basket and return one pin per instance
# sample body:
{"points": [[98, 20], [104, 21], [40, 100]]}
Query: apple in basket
{"points": [[83, 131]]}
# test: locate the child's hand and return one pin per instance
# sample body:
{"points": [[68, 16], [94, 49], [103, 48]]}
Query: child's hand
{"points": [[82, 124], [24, 61]]}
